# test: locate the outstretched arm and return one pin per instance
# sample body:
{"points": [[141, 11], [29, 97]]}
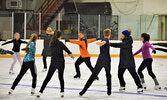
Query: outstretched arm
{"points": [[136, 53], [24, 42], [91, 40], [161, 44], [75, 42], [119, 45], [7, 42], [161, 49], [101, 43], [67, 50], [2, 40]]}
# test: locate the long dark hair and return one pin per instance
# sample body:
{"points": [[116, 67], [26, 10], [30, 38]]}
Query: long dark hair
{"points": [[55, 36], [145, 36], [32, 39]]}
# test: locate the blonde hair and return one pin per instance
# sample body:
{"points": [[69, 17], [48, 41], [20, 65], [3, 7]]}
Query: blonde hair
{"points": [[107, 32], [51, 31], [17, 33], [129, 30], [32, 39]]}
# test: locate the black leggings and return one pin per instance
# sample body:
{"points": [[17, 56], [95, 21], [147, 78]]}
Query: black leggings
{"points": [[99, 65], [79, 61], [146, 63], [44, 61], [24, 68], [133, 73], [55, 65]]}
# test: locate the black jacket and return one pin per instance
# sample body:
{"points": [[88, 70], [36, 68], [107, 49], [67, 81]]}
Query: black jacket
{"points": [[46, 50], [16, 44], [57, 48], [126, 55]]}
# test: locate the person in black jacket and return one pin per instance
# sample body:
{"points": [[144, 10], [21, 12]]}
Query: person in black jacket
{"points": [[127, 61], [46, 50], [16, 49], [57, 61]]}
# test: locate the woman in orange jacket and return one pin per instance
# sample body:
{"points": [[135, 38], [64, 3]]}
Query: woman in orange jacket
{"points": [[85, 56]]}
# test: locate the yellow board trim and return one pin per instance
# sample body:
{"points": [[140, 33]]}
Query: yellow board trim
{"points": [[92, 55]]}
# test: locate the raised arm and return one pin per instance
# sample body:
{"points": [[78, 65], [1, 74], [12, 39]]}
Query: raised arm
{"points": [[137, 52], [7, 42], [91, 40]]}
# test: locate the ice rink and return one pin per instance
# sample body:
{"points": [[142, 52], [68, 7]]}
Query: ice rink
{"points": [[73, 86]]}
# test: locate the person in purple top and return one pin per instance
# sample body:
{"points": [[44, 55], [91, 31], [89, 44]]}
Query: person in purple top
{"points": [[147, 60]]}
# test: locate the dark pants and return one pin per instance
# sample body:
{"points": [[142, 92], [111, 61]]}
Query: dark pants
{"points": [[133, 73], [98, 67], [147, 63], [24, 68], [55, 65], [44, 61], [79, 61]]}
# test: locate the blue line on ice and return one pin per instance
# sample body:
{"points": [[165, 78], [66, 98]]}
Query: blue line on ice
{"points": [[129, 93]]}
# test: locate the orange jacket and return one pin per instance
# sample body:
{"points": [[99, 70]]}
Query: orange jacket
{"points": [[83, 47]]}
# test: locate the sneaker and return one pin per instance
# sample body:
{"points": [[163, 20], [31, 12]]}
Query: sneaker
{"points": [[61, 94], [11, 72], [157, 87], [10, 91], [33, 91], [39, 95], [122, 89], [44, 70], [144, 86], [139, 90]]}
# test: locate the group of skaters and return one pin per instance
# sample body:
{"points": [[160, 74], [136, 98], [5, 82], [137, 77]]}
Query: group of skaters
{"points": [[54, 47]]}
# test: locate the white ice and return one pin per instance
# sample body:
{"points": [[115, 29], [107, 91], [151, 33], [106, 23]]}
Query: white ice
{"points": [[73, 86]]}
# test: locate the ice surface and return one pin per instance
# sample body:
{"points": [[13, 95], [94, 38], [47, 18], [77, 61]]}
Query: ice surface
{"points": [[74, 86]]}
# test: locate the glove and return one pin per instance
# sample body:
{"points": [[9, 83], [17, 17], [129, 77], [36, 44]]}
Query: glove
{"points": [[154, 52], [98, 38], [67, 40], [71, 55]]}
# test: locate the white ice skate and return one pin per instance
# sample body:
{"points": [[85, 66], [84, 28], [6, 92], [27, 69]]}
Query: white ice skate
{"points": [[62, 94], [144, 86], [57, 70], [39, 95], [157, 87], [44, 70], [11, 72], [139, 90], [121, 89], [32, 91], [10, 91]]}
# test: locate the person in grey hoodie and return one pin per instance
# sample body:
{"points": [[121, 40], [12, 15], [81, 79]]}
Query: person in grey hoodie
{"points": [[127, 61]]}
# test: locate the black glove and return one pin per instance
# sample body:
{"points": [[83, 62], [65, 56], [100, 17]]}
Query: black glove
{"points": [[67, 40], [98, 38], [154, 52]]}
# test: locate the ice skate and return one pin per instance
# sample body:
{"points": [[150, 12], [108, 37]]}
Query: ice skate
{"points": [[10, 91], [32, 91], [44, 70], [39, 95], [157, 87], [62, 94], [139, 90], [121, 89]]}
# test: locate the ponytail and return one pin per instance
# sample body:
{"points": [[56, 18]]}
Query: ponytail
{"points": [[55, 36]]}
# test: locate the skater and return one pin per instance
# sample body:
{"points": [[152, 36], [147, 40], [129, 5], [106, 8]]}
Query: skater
{"points": [[127, 61], [46, 50], [104, 60], [85, 56], [28, 63], [147, 60], [16, 49], [57, 62]]}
